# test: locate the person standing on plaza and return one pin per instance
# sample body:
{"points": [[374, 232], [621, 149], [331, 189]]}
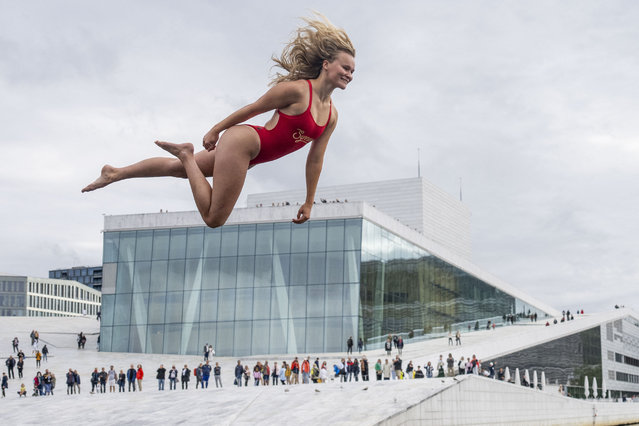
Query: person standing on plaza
{"points": [[306, 371], [45, 353], [378, 369], [217, 373], [131, 376], [349, 346], [388, 346], [397, 366], [387, 370], [450, 365], [103, 380], [5, 383], [112, 378], [15, 342], [429, 370], [161, 376], [206, 352], [173, 376], [409, 369], [295, 372], [360, 345], [400, 344], [458, 338], [20, 365], [275, 373], [121, 381], [206, 373], [10, 363], [38, 358], [76, 381], [364, 367], [139, 375], [211, 352], [186, 377], [198, 376], [238, 373], [95, 378]]}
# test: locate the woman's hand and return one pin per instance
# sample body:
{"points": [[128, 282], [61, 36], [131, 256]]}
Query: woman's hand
{"points": [[210, 139], [304, 213]]}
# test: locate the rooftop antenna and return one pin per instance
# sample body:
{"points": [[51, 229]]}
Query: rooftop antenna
{"points": [[419, 174], [460, 189]]}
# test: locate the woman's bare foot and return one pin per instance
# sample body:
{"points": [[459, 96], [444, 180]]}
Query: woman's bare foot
{"points": [[107, 176], [180, 150]]}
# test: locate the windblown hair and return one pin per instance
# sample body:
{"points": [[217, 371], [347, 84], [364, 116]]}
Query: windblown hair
{"points": [[312, 44]]}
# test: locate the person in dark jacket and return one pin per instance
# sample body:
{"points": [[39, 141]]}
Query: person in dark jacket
{"points": [[131, 375], [5, 383], [20, 365], [173, 375], [10, 363], [45, 352], [76, 379], [198, 376], [238, 373], [206, 373], [70, 382], [103, 379], [121, 381], [186, 376], [161, 376]]}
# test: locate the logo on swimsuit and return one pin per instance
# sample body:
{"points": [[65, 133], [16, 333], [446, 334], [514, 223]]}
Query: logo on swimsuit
{"points": [[299, 137]]}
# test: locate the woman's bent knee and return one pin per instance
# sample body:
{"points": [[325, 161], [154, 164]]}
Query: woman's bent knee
{"points": [[214, 221]]}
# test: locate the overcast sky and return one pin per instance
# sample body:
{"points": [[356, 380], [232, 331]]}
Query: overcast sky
{"points": [[534, 105]]}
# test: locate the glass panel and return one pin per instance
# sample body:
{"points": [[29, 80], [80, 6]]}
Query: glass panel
{"points": [[242, 338], [224, 345], [226, 305], [351, 299], [351, 266], [144, 247], [316, 268], [157, 306], [261, 304], [211, 273], [140, 308], [194, 243], [246, 240], [296, 335], [228, 272], [105, 338], [176, 275], [352, 234], [127, 246], [172, 338], [191, 307], [278, 336], [317, 236], [334, 267], [212, 238], [282, 238], [208, 331], [315, 301], [120, 342], [124, 283], [263, 271], [264, 238], [334, 294], [332, 336], [243, 303], [279, 302], [299, 238], [260, 337], [281, 266], [141, 277], [335, 235], [245, 271], [122, 310], [299, 269], [110, 247], [229, 240], [193, 274], [137, 339], [314, 333], [297, 301], [159, 275], [155, 339], [174, 307], [108, 303], [160, 244], [178, 244], [190, 344], [208, 305]]}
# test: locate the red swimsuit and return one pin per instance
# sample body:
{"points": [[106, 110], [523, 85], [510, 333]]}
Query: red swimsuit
{"points": [[290, 133]]}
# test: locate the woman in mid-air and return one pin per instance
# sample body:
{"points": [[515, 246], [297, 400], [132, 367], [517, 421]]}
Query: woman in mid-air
{"points": [[318, 60]]}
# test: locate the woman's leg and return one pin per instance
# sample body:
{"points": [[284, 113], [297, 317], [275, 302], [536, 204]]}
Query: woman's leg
{"points": [[152, 167], [235, 150]]}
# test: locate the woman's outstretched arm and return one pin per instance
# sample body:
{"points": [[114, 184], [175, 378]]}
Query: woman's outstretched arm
{"points": [[314, 162], [278, 97]]}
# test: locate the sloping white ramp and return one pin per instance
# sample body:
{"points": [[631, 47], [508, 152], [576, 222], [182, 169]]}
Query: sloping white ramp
{"points": [[475, 400]]}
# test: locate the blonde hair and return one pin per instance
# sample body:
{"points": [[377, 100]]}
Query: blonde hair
{"points": [[312, 44]]}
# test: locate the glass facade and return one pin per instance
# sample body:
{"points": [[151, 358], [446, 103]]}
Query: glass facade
{"points": [[91, 276], [282, 288], [12, 296], [246, 289], [567, 360]]}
